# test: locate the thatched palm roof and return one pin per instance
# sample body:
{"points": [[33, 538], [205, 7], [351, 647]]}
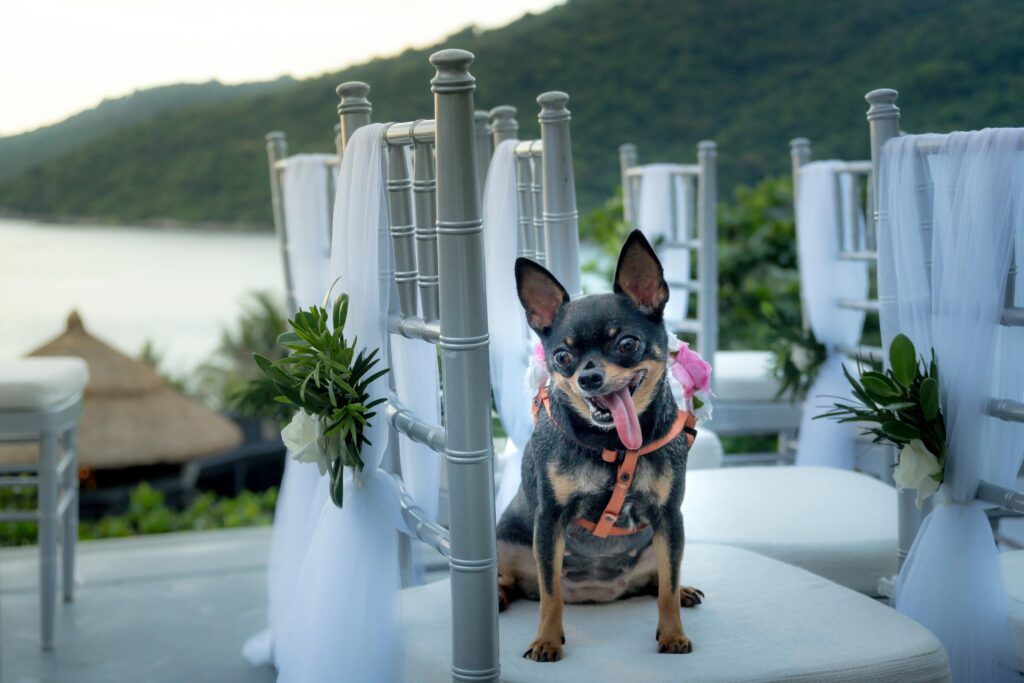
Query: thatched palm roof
{"points": [[131, 417]]}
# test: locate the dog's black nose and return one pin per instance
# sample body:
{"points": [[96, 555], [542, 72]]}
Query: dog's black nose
{"points": [[591, 380]]}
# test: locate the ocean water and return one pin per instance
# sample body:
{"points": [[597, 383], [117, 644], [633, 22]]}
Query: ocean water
{"points": [[177, 288]]}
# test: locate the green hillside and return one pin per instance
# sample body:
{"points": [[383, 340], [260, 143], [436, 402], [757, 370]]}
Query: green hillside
{"points": [[23, 151], [661, 73]]}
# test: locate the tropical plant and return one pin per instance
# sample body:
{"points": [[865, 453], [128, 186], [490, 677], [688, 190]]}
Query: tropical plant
{"points": [[231, 379]]}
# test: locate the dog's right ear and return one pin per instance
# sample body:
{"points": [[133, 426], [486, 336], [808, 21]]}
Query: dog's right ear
{"points": [[540, 293]]}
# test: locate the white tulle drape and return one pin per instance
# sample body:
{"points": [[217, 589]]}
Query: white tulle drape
{"points": [[307, 210], [821, 212], [665, 212], [343, 624], [511, 340], [949, 221]]}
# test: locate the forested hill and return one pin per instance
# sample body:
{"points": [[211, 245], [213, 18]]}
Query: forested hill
{"points": [[23, 151], [664, 74]]}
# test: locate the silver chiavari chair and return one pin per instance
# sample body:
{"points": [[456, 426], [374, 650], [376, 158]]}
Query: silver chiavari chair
{"points": [[439, 277], [857, 238], [883, 121], [802, 511], [735, 412], [548, 219], [883, 118], [858, 241]]}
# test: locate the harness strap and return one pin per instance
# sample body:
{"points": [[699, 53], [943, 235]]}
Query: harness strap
{"points": [[624, 474]]}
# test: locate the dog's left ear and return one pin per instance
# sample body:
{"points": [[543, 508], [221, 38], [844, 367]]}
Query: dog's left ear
{"points": [[639, 276]]}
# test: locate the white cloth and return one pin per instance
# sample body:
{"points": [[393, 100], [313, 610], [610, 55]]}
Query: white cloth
{"points": [[762, 621], [343, 624], [307, 211], [40, 383], [307, 220], [835, 523], [665, 212], [1013, 575], [961, 209], [821, 212], [511, 339]]}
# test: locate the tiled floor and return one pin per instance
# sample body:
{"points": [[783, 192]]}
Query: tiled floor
{"points": [[174, 608]]}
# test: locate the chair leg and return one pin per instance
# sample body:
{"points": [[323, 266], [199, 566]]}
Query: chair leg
{"points": [[48, 537], [70, 539]]}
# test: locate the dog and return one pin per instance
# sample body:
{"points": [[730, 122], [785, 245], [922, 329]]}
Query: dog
{"points": [[597, 516]]}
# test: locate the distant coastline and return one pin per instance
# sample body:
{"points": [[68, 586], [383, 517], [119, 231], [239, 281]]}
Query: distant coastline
{"points": [[152, 223]]}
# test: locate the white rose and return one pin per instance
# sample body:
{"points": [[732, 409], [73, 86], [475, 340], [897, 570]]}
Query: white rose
{"points": [[915, 469], [302, 438], [801, 357]]}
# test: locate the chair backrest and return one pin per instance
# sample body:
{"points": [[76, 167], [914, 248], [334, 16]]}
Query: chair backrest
{"points": [[548, 218], [354, 111], [883, 121], [442, 300], [857, 239], [698, 180]]}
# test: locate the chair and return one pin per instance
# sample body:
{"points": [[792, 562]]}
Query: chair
{"points": [[943, 202], [605, 641], [41, 400], [843, 197], [742, 380]]}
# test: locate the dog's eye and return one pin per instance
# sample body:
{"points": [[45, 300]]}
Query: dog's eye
{"points": [[562, 358], [627, 346]]}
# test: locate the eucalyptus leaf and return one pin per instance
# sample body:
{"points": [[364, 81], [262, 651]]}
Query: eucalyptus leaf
{"points": [[903, 359]]}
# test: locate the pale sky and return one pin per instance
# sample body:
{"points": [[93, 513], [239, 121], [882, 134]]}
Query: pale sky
{"points": [[62, 56]]}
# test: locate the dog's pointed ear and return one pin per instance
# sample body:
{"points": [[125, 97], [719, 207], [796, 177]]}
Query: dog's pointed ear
{"points": [[640, 277], [540, 293]]}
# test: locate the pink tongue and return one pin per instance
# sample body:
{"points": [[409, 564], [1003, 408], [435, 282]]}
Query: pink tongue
{"points": [[626, 422]]}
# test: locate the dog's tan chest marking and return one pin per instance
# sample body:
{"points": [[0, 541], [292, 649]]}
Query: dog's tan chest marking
{"points": [[581, 481], [648, 480]]}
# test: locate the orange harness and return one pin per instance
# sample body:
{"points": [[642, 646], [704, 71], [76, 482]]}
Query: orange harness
{"points": [[604, 527]]}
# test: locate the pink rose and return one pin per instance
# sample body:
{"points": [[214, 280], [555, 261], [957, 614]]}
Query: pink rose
{"points": [[538, 352], [691, 371]]}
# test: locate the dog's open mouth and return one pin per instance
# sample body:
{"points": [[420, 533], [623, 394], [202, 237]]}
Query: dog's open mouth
{"points": [[616, 408]]}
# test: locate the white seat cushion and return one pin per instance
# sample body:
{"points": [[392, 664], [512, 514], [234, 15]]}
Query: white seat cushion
{"points": [[706, 453], [1013, 577], [762, 620], [836, 523], [744, 376], [40, 383]]}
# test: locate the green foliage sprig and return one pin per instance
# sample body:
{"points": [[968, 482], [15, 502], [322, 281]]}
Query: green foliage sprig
{"points": [[899, 405], [324, 376]]}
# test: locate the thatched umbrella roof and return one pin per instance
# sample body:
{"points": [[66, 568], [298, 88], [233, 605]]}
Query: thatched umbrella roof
{"points": [[131, 417]]}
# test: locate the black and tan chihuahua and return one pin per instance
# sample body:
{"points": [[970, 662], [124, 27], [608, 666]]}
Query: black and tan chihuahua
{"points": [[597, 516]]}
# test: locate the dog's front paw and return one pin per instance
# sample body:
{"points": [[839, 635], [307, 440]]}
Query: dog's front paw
{"points": [[674, 644], [545, 650], [690, 597]]}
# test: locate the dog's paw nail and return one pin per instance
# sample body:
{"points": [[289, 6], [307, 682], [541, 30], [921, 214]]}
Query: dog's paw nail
{"points": [[662, 648], [528, 653], [563, 639]]}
